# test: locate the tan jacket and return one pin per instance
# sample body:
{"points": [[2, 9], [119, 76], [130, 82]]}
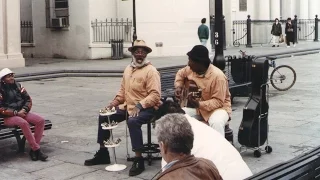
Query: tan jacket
{"points": [[139, 85], [191, 168], [215, 89]]}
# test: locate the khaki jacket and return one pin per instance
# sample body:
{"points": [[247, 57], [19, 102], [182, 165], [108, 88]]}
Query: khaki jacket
{"points": [[139, 85], [215, 89], [191, 168]]}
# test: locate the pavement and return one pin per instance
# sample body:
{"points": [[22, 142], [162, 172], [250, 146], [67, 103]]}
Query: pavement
{"points": [[72, 104]]}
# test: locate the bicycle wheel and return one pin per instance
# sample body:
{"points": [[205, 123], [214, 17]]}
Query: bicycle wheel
{"points": [[283, 77]]}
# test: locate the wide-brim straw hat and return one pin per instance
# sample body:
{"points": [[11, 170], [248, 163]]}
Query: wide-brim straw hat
{"points": [[140, 44], [5, 72]]}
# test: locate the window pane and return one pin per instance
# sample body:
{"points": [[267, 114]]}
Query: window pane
{"points": [[242, 5], [61, 4]]}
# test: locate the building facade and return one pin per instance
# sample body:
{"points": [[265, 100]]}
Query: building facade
{"points": [[168, 26], [84, 29]]}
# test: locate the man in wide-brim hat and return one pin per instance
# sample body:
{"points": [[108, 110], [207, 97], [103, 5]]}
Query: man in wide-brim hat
{"points": [[214, 106], [138, 96]]}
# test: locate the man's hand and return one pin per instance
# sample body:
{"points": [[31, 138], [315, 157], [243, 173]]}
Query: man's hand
{"points": [[135, 112], [178, 92], [22, 113], [193, 102]]}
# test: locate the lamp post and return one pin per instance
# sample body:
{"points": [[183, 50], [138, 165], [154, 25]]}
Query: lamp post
{"points": [[219, 60], [134, 36]]}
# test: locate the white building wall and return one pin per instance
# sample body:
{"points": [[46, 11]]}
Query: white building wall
{"points": [[172, 22], [102, 9], [314, 9], [26, 10], [69, 43]]}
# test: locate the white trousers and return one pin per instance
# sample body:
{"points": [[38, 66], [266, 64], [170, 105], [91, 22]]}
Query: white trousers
{"points": [[204, 42], [217, 120], [275, 40]]}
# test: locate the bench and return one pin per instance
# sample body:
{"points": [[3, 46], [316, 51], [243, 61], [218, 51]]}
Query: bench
{"points": [[305, 166], [9, 132], [168, 75]]}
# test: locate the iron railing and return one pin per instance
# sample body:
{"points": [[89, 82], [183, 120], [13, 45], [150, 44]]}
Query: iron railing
{"points": [[26, 32], [239, 31], [306, 29], [261, 31], [112, 29]]}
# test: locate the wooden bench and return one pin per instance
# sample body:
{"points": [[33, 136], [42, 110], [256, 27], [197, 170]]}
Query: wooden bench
{"points": [[168, 76], [305, 166], [9, 132]]}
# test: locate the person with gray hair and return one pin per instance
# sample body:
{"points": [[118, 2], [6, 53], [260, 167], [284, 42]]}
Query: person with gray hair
{"points": [[175, 137]]}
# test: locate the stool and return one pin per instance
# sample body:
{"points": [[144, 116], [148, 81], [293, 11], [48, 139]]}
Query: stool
{"points": [[149, 148]]}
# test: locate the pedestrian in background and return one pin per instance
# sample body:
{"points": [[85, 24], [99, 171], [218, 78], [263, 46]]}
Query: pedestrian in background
{"points": [[203, 32], [276, 32], [290, 33]]}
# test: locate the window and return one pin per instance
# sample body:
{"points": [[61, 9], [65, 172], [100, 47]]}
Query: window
{"points": [[60, 4], [243, 5], [57, 13]]}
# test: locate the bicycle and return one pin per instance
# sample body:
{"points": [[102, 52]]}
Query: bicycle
{"points": [[280, 75]]}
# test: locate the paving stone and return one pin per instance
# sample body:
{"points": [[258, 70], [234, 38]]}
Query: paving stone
{"points": [[24, 164], [11, 173], [63, 171]]}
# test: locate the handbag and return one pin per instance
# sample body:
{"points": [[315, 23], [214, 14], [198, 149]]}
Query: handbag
{"points": [[281, 38]]}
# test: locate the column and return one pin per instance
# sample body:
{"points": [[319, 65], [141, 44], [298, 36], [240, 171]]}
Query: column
{"points": [[286, 9], [2, 39], [274, 9], [11, 35], [264, 10], [303, 13], [314, 9]]}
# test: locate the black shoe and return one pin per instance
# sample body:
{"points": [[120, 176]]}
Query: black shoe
{"points": [[278, 46], [33, 155], [273, 46], [137, 166], [40, 155], [101, 157]]}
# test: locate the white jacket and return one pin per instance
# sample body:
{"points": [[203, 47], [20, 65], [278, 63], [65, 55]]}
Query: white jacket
{"points": [[209, 144]]}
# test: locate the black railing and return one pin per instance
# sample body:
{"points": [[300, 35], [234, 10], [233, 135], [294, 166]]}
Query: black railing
{"points": [[239, 33], [26, 32], [306, 29], [112, 29], [259, 31]]}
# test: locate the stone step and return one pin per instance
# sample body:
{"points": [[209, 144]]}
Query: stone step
{"points": [[59, 75]]}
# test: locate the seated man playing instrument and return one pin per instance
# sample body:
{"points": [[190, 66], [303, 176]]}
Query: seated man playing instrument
{"points": [[209, 144], [139, 94], [214, 104]]}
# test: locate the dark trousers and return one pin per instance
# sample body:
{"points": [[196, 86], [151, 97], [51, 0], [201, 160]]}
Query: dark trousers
{"points": [[134, 125], [290, 38]]}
